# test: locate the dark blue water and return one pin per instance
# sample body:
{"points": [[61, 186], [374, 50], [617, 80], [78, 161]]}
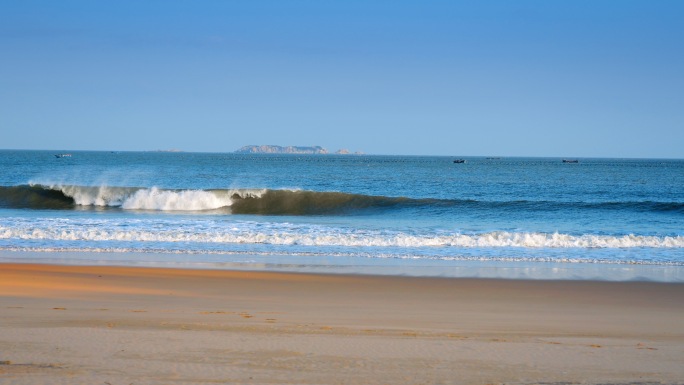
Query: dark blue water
{"points": [[386, 211]]}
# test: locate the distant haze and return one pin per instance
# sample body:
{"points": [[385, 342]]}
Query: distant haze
{"points": [[497, 78]]}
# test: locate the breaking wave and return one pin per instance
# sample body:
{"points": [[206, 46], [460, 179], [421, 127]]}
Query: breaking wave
{"points": [[237, 201], [269, 201], [127, 198]]}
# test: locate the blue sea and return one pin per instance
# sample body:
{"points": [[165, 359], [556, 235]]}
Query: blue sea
{"points": [[611, 219]]}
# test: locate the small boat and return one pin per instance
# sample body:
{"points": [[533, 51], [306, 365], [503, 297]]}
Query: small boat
{"points": [[570, 161], [62, 155], [459, 161]]}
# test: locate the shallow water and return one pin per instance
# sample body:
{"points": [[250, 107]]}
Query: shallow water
{"points": [[374, 214]]}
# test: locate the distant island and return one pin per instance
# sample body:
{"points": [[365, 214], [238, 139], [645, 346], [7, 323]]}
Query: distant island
{"points": [[271, 149]]}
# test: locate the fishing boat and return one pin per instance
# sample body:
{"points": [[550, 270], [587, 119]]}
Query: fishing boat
{"points": [[62, 155]]}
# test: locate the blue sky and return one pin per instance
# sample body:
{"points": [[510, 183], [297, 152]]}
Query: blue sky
{"points": [[508, 78]]}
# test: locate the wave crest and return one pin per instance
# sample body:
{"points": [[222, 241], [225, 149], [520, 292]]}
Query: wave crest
{"points": [[166, 200], [237, 201], [128, 198], [276, 202]]}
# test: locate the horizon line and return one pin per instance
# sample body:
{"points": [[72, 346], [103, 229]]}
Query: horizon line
{"points": [[350, 154]]}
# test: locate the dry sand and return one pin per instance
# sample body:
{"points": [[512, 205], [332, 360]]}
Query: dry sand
{"points": [[119, 325]]}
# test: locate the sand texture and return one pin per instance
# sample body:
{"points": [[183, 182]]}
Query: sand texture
{"points": [[118, 325]]}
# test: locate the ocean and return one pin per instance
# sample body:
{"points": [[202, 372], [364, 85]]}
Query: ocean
{"points": [[539, 218]]}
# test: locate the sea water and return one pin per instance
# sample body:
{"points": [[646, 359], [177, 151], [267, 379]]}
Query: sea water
{"points": [[412, 215]]}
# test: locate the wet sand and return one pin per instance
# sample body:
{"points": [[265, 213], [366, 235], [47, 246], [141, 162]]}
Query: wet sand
{"points": [[122, 325]]}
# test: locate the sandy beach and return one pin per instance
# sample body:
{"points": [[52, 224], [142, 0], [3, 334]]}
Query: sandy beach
{"points": [[122, 325]]}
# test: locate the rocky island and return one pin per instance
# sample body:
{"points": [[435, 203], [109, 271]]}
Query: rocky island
{"points": [[272, 149]]}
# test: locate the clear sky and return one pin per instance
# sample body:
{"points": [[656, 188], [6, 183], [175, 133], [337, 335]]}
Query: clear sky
{"points": [[508, 78]]}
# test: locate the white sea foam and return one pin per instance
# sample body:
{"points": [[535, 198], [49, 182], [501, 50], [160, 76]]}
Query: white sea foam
{"points": [[286, 234], [166, 200], [154, 198], [95, 195]]}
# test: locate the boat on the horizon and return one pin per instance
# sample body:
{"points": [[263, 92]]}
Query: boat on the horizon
{"points": [[459, 161], [570, 161], [62, 155]]}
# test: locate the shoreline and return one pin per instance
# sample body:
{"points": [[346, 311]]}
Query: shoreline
{"points": [[494, 269], [95, 324]]}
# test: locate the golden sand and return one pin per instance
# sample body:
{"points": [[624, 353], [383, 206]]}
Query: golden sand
{"points": [[123, 325]]}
